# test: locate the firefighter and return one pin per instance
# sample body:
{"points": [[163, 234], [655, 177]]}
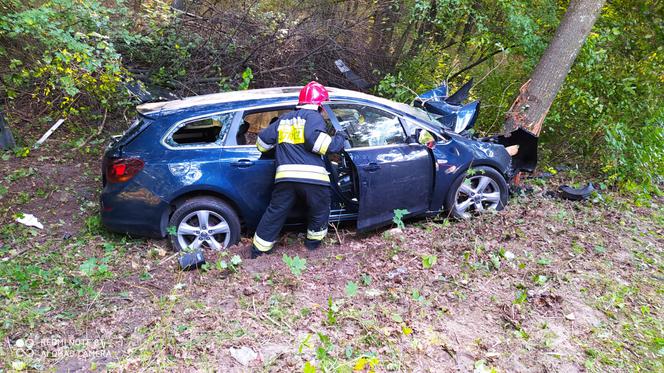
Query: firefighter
{"points": [[301, 142]]}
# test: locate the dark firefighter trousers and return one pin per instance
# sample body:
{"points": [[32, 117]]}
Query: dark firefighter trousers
{"points": [[284, 196]]}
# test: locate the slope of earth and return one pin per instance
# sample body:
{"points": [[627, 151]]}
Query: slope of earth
{"points": [[547, 285]]}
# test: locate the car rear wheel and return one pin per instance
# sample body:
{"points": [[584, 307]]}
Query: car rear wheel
{"points": [[204, 223], [476, 191]]}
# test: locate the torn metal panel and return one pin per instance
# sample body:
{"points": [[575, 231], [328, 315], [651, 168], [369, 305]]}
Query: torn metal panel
{"points": [[522, 146]]}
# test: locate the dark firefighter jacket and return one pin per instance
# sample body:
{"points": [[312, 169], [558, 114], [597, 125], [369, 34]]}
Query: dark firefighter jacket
{"points": [[301, 142]]}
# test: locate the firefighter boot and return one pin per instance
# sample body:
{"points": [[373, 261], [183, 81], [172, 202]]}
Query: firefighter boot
{"points": [[255, 253], [311, 245]]}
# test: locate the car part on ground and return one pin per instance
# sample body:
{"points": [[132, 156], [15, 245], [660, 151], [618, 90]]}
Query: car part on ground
{"points": [[204, 222], [352, 77], [6, 137], [576, 194], [191, 260], [475, 191]]}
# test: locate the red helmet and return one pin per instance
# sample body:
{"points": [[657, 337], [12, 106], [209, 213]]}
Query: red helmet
{"points": [[313, 93]]}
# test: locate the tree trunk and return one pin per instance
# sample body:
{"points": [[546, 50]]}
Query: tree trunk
{"points": [[536, 95]]}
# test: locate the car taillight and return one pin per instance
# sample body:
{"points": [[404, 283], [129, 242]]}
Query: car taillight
{"points": [[121, 170]]}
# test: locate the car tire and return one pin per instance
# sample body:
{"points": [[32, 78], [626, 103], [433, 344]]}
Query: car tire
{"points": [[477, 190], [204, 222]]}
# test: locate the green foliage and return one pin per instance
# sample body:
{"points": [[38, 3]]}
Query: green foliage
{"points": [[612, 98], [398, 217], [429, 261], [231, 265], [95, 268], [64, 53], [295, 264], [331, 312], [521, 296], [351, 288], [309, 368], [247, 76]]}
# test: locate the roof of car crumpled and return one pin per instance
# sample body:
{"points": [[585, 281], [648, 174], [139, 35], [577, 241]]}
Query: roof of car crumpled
{"points": [[251, 94]]}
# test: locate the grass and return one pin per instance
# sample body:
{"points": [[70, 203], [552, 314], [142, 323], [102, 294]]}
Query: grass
{"points": [[545, 285]]}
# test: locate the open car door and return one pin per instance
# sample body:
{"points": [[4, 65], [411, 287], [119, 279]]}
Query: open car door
{"points": [[391, 174]]}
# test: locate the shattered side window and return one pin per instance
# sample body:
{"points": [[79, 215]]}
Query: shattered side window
{"points": [[368, 126], [209, 131]]}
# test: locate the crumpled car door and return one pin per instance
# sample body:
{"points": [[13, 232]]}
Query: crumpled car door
{"points": [[390, 178]]}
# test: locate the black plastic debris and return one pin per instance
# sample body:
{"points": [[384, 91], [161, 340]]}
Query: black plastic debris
{"points": [[352, 77], [521, 190], [6, 138], [149, 93], [576, 194], [192, 260], [543, 175]]}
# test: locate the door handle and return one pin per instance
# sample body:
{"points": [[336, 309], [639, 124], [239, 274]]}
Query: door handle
{"points": [[243, 163], [372, 167]]}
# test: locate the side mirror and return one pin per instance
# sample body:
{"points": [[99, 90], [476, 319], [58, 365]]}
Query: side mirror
{"points": [[412, 139]]}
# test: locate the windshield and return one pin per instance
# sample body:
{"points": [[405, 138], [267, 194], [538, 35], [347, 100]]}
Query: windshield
{"points": [[420, 114]]}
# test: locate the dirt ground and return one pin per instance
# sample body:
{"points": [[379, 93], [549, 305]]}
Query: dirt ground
{"points": [[547, 285]]}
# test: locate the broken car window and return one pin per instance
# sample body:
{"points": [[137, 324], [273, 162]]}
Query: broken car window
{"points": [[368, 126], [205, 131]]}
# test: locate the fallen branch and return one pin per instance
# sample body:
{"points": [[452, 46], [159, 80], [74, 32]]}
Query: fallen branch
{"points": [[479, 61], [341, 242]]}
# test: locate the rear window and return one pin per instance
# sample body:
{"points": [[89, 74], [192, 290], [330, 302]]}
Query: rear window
{"points": [[208, 131]]}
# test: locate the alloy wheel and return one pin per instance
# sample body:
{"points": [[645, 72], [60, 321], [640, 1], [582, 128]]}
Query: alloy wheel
{"points": [[203, 229], [476, 194]]}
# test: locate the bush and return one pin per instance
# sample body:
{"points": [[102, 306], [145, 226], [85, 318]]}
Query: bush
{"points": [[62, 53]]}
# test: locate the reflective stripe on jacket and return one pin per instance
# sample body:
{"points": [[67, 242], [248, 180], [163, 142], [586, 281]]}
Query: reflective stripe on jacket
{"points": [[301, 142]]}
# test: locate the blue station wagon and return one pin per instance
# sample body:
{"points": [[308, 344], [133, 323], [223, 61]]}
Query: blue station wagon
{"points": [[192, 164]]}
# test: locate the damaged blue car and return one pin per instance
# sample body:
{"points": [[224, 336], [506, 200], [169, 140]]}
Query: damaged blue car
{"points": [[189, 169]]}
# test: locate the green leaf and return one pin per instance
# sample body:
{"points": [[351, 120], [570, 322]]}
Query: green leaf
{"points": [[366, 279], [398, 217], [309, 368], [295, 264], [429, 261], [88, 267], [495, 261], [544, 261], [417, 296], [236, 260], [332, 308], [540, 279], [521, 296], [351, 288]]}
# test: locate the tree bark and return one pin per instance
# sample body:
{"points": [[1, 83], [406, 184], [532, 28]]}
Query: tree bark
{"points": [[537, 94]]}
